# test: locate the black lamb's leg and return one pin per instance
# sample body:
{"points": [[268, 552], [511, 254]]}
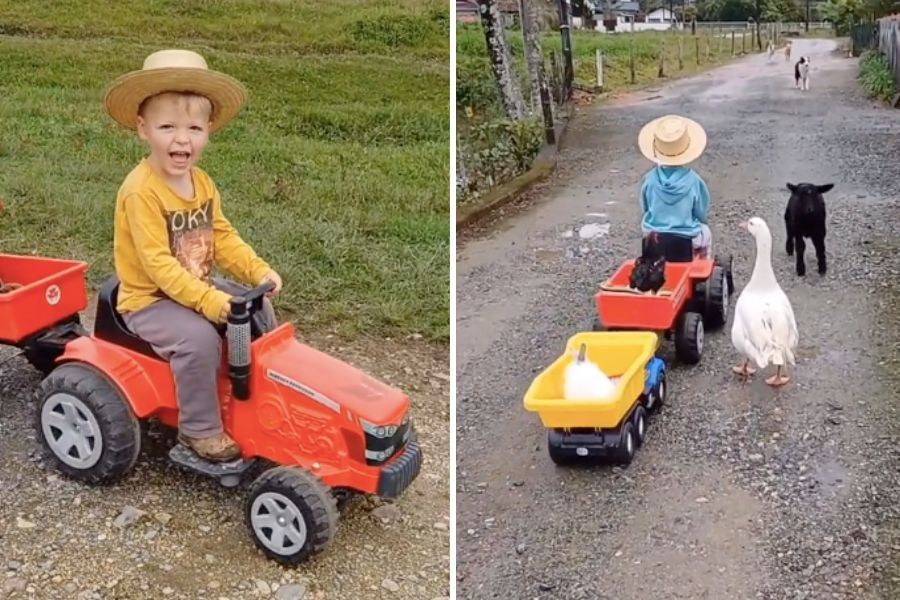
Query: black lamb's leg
{"points": [[819, 243], [789, 245], [801, 248]]}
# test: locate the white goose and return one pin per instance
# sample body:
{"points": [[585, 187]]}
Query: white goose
{"points": [[764, 329]]}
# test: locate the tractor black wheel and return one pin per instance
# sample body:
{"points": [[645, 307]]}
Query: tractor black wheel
{"points": [[85, 426], [717, 298], [597, 325], [627, 445], [639, 418], [689, 338], [291, 515], [728, 264]]}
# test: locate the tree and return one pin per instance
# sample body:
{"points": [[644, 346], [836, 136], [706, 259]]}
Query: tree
{"points": [[501, 64], [844, 13], [531, 35]]}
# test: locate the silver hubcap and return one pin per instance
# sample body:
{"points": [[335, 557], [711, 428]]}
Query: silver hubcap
{"points": [[71, 431], [662, 391], [640, 427], [629, 443], [700, 337], [278, 523]]}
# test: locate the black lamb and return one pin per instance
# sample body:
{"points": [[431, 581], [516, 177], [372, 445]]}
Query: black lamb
{"points": [[649, 273], [805, 217]]}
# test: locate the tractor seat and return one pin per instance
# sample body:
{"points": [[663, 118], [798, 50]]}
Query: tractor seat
{"points": [[111, 327]]}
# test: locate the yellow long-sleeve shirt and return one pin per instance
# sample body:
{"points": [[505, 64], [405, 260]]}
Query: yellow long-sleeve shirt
{"points": [[165, 245]]}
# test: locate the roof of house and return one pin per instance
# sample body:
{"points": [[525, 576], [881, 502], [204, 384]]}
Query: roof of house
{"points": [[623, 7]]}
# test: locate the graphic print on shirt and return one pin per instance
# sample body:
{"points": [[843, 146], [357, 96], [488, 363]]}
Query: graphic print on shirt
{"points": [[191, 239]]}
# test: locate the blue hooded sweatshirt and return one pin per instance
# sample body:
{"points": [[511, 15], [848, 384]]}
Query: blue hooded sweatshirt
{"points": [[673, 200]]}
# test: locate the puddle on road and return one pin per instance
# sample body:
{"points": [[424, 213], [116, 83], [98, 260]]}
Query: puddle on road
{"points": [[592, 230]]}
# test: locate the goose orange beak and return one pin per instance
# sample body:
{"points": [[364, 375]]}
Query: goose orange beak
{"points": [[742, 225]]}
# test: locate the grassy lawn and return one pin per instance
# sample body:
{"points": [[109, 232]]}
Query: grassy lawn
{"points": [[336, 171]]}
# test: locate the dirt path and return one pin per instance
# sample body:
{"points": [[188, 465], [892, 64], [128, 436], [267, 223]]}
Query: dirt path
{"points": [[58, 538], [740, 492]]}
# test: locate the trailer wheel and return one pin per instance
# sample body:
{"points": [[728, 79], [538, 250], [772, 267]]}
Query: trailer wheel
{"points": [[290, 514], [689, 338], [717, 297], [640, 425], [627, 446], [85, 425]]}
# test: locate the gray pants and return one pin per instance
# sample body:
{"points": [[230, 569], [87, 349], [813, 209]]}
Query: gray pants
{"points": [[193, 347]]}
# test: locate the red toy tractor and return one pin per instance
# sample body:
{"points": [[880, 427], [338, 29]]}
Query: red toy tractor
{"points": [[326, 429]]}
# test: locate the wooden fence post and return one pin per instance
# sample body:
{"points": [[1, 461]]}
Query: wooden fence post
{"points": [[697, 49], [662, 61], [631, 52], [599, 64], [680, 53], [732, 42]]}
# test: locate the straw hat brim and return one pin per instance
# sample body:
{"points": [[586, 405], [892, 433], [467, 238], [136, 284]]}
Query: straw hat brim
{"points": [[125, 94], [694, 150]]}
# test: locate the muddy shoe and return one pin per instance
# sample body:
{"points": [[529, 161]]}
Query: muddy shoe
{"points": [[218, 448]]}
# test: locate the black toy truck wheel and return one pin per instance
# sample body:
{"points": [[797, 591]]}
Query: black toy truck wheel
{"points": [[716, 306], [291, 515], [640, 425], [659, 394], [556, 452], [85, 425], [597, 325], [689, 338], [627, 445]]}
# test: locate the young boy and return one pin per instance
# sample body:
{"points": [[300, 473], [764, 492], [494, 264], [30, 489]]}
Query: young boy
{"points": [[170, 231], [674, 198]]}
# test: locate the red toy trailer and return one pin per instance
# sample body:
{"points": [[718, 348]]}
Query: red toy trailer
{"points": [[325, 429], [693, 292]]}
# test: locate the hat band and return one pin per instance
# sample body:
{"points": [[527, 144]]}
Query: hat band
{"points": [[674, 148]]}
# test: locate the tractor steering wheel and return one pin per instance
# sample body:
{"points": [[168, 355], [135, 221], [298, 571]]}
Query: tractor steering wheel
{"points": [[254, 301]]}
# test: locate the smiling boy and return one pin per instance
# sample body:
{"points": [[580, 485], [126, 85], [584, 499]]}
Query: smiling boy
{"points": [[170, 230]]}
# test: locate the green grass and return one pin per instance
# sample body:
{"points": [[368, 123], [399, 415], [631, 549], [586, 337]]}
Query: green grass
{"points": [[336, 172], [876, 77]]}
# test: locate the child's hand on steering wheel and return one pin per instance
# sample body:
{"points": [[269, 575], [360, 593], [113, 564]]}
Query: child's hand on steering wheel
{"points": [[274, 278]]}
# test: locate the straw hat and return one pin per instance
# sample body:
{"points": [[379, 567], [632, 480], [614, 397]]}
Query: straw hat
{"points": [[672, 140], [174, 71]]}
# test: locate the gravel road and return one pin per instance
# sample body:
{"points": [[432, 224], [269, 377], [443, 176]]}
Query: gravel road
{"points": [[187, 539], [740, 491]]}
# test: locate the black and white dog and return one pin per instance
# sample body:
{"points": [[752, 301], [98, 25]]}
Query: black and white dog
{"points": [[801, 73]]}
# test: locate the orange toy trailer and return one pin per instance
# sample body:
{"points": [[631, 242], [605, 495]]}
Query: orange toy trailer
{"points": [[694, 292], [326, 429]]}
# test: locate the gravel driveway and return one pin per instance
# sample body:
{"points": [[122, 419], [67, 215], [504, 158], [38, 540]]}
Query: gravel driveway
{"points": [[165, 533], [740, 491]]}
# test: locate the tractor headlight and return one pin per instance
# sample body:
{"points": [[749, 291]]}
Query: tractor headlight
{"points": [[381, 431]]}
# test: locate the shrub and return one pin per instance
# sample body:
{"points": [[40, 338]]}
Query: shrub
{"points": [[876, 77]]}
